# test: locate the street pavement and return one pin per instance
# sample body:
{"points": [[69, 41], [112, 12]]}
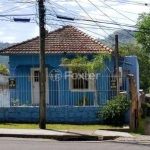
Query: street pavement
{"points": [[38, 144]]}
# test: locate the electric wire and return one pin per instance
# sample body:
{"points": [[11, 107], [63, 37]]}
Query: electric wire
{"points": [[91, 17], [108, 16]]}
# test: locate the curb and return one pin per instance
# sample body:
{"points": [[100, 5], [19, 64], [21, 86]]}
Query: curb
{"points": [[63, 137]]}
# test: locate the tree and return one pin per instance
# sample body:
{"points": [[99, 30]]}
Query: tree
{"points": [[4, 69], [82, 64], [143, 34], [144, 62]]}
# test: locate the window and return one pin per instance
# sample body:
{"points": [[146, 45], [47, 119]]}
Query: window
{"points": [[81, 81], [36, 76]]}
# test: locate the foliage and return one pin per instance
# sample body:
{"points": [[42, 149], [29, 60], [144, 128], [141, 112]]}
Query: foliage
{"points": [[144, 110], [4, 69], [24, 105], [83, 100], [76, 64], [141, 128], [15, 102], [144, 62], [114, 112], [143, 36], [81, 63]]}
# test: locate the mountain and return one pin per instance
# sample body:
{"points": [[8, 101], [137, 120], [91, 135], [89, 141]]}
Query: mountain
{"points": [[124, 37], [4, 45], [4, 59]]}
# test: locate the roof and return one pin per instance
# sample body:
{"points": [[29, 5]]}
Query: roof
{"points": [[67, 39]]}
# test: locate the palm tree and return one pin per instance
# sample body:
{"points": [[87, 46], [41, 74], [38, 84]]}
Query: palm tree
{"points": [[82, 64]]}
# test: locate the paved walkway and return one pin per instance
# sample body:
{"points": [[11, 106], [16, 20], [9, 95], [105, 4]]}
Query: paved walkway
{"points": [[75, 134], [63, 134]]}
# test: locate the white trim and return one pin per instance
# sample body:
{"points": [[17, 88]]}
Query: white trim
{"points": [[90, 87], [47, 84]]}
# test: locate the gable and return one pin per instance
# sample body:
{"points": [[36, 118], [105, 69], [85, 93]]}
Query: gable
{"points": [[64, 40]]}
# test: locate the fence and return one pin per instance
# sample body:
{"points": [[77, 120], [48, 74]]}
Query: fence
{"points": [[23, 90]]}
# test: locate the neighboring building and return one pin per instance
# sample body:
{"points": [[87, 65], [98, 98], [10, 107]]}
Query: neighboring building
{"points": [[61, 90], [4, 90]]}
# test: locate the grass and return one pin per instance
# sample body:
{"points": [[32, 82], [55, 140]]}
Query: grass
{"points": [[56, 126], [141, 129]]}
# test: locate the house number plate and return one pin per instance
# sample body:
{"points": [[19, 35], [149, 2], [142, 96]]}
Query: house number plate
{"points": [[12, 83]]}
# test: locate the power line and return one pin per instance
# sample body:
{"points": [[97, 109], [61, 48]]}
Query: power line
{"points": [[133, 3], [69, 29], [12, 2], [17, 15], [104, 7], [15, 8], [92, 26], [75, 13], [91, 17], [116, 11], [108, 16]]}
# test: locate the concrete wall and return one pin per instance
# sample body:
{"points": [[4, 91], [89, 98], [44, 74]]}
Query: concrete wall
{"points": [[131, 63], [76, 115]]}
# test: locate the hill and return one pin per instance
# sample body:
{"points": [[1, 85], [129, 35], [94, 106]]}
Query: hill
{"points": [[4, 59], [124, 37]]}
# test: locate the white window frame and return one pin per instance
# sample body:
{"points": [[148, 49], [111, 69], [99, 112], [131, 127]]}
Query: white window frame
{"points": [[90, 84]]}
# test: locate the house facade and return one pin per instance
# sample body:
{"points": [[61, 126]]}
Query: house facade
{"points": [[61, 88]]}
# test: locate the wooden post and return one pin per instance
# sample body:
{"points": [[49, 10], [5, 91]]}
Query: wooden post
{"points": [[116, 62], [134, 109], [42, 121]]}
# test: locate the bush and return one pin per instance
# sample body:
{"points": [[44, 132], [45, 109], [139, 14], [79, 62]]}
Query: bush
{"points": [[144, 110], [141, 128], [4, 69], [114, 112]]}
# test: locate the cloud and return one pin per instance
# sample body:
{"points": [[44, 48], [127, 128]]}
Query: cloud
{"points": [[17, 32], [35, 31], [1, 32], [10, 39]]}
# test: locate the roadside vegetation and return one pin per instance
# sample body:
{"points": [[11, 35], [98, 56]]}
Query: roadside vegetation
{"points": [[113, 113], [56, 126]]}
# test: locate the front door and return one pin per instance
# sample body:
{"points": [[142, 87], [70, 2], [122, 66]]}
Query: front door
{"points": [[35, 86]]}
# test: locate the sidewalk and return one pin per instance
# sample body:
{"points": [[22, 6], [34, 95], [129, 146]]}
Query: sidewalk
{"points": [[73, 135], [64, 134]]}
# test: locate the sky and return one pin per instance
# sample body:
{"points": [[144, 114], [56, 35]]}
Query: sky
{"points": [[107, 12]]}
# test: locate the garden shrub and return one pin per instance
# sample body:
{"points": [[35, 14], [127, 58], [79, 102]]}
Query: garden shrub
{"points": [[141, 128], [113, 113], [144, 110]]}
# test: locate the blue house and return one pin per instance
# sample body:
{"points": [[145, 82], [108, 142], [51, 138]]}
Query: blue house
{"points": [[61, 89]]}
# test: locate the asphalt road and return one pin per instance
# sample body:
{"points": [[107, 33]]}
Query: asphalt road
{"points": [[41, 144]]}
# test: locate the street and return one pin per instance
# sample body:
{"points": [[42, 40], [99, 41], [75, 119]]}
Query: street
{"points": [[39, 144]]}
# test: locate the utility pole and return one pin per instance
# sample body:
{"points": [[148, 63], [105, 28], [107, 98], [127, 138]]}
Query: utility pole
{"points": [[116, 62], [42, 107]]}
